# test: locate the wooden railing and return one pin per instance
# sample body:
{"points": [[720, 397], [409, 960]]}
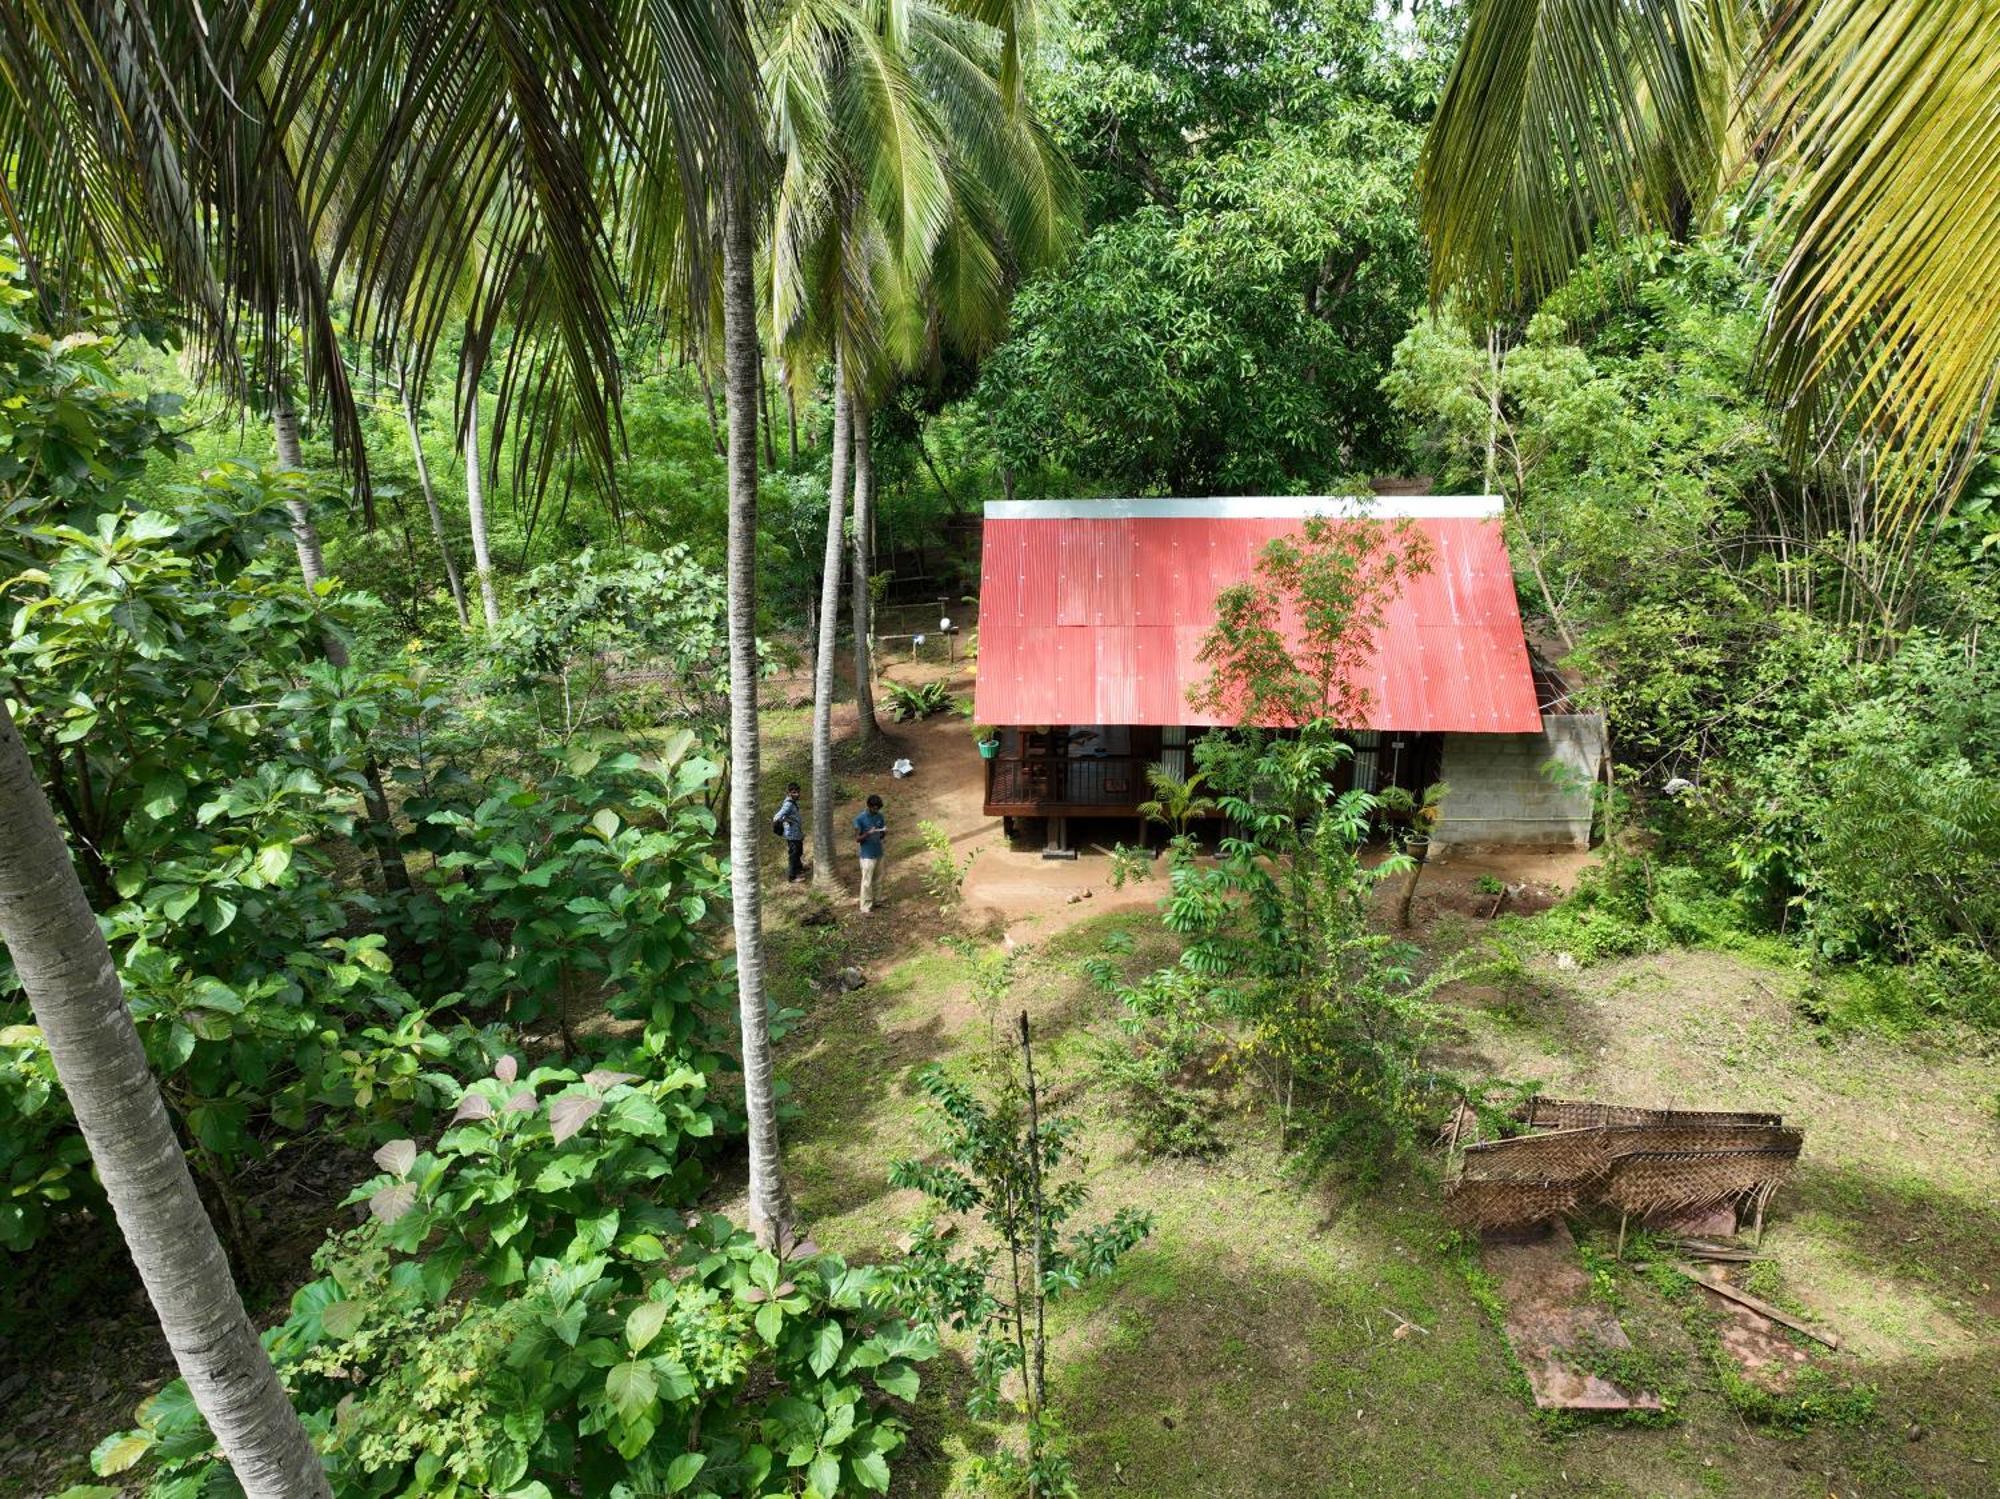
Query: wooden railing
{"points": [[1016, 784]]}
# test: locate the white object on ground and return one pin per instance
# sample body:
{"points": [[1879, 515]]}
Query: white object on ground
{"points": [[901, 768]]}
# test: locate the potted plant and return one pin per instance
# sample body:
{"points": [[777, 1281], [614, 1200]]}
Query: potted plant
{"points": [[1421, 814], [988, 740]]}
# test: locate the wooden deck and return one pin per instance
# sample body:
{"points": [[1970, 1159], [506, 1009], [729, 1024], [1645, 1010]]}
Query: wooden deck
{"points": [[1062, 786]]}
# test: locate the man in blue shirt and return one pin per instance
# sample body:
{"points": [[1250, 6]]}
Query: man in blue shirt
{"points": [[869, 827]]}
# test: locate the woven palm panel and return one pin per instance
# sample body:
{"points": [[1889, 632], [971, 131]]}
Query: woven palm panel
{"points": [[1649, 1182], [1569, 1155], [1481, 1203], [1626, 1139], [1574, 1113], [1714, 1116]]}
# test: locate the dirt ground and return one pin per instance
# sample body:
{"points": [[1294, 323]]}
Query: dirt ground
{"points": [[1011, 887]]}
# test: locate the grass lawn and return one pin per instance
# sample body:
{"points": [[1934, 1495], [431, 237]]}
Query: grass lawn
{"points": [[1251, 1345]]}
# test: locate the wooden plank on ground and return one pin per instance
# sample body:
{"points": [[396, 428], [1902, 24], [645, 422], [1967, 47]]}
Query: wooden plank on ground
{"points": [[1554, 1325], [1762, 1308]]}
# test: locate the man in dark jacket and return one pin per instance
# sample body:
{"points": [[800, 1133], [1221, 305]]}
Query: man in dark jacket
{"points": [[790, 825]]}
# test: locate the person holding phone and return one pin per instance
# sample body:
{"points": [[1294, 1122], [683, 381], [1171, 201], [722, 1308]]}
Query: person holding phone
{"points": [[869, 827]]}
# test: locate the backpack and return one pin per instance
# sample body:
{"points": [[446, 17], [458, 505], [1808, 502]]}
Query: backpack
{"points": [[778, 825]]}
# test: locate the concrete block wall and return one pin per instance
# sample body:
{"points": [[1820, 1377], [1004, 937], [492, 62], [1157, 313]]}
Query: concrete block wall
{"points": [[1501, 797]]}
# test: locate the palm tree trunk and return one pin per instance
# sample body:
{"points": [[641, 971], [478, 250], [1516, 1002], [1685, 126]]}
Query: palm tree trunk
{"points": [[79, 1004], [305, 535], [475, 505], [769, 1211], [764, 404], [451, 577], [864, 613], [829, 620]]}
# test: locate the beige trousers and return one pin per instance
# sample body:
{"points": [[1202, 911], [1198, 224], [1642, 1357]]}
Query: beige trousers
{"points": [[871, 872]]}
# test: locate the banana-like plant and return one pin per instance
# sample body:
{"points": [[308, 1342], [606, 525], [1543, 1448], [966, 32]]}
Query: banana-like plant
{"points": [[1869, 125]]}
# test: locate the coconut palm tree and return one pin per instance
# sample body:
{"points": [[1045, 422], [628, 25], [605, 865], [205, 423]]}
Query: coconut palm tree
{"points": [[475, 509], [1869, 125], [407, 398], [824, 872], [52, 937], [769, 1206], [914, 187]]}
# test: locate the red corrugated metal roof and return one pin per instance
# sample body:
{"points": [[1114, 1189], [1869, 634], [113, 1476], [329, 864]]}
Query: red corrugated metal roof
{"points": [[1092, 612]]}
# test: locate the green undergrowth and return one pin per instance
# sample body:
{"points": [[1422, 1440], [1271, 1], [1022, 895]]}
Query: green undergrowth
{"points": [[1634, 907]]}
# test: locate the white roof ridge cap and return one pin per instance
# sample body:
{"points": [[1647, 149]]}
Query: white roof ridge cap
{"points": [[1253, 507]]}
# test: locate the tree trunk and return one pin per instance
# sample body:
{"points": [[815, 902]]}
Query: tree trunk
{"points": [[305, 535], [451, 577], [829, 622], [382, 827], [769, 1211], [475, 506], [79, 1004], [864, 611], [792, 421], [764, 404], [708, 395]]}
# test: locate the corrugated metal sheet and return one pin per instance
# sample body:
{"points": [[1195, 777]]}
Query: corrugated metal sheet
{"points": [[1086, 620]]}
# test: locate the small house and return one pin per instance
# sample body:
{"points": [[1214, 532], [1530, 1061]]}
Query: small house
{"points": [[1092, 615]]}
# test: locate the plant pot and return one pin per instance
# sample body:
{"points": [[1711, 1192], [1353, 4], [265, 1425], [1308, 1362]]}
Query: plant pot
{"points": [[988, 748], [1417, 846]]}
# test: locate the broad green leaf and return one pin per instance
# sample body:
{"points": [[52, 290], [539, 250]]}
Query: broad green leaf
{"points": [[644, 1324], [871, 1471], [681, 1471], [632, 1388], [826, 1348], [900, 1380], [118, 1452], [342, 1319], [824, 1475]]}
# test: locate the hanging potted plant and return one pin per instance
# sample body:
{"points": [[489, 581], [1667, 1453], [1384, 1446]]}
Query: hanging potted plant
{"points": [[988, 740]]}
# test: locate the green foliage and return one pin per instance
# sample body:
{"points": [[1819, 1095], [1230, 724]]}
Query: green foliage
{"points": [[606, 1344], [1813, 697], [1290, 647], [909, 701], [1230, 342], [1279, 975], [597, 880], [1001, 1164], [617, 637], [1253, 255], [944, 871], [1177, 801]]}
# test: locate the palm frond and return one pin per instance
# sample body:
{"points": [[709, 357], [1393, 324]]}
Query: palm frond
{"points": [[1562, 116], [1886, 313]]}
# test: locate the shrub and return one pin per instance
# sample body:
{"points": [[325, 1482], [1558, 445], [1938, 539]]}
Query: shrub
{"points": [[921, 700], [528, 1311], [944, 871]]}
